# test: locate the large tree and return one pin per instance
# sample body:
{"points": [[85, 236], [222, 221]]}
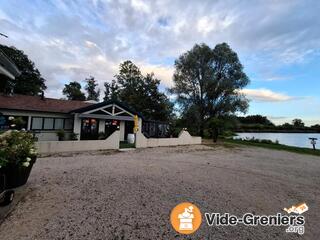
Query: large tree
{"points": [[139, 91], [111, 91], [91, 88], [30, 82], [73, 91], [297, 123], [208, 81]]}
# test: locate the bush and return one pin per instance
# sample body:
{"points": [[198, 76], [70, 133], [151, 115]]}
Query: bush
{"points": [[74, 136], [61, 134], [16, 149], [255, 140]]}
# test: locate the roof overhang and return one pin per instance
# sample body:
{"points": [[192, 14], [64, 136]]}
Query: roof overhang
{"points": [[7, 67], [108, 110]]}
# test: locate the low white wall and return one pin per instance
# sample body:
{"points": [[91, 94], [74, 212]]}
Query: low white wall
{"points": [[184, 138], [50, 135], [112, 142]]}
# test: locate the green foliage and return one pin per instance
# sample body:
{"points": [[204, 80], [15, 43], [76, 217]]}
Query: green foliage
{"points": [[16, 148], [208, 80], [74, 136], [275, 146], [61, 134], [255, 119], [255, 140], [111, 91], [93, 94], [73, 91], [298, 123], [30, 82], [140, 92], [220, 126], [316, 127], [18, 122]]}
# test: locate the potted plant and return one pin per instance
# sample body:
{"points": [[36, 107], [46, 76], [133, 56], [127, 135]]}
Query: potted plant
{"points": [[17, 156], [61, 134], [74, 136]]}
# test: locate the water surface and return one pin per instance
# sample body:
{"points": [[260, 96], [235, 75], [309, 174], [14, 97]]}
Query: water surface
{"points": [[290, 139]]}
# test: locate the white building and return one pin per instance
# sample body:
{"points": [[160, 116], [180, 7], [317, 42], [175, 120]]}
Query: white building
{"points": [[46, 116]]}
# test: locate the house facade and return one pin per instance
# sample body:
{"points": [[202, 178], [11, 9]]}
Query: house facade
{"points": [[45, 116]]}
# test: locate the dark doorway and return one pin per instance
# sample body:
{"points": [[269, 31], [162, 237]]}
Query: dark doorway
{"points": [[111, 127], [89, 129], [128, 128]]}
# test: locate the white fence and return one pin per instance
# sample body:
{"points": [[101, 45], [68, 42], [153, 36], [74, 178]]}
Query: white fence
{"points": [[113, 142], [47, 147], [184, 138]]}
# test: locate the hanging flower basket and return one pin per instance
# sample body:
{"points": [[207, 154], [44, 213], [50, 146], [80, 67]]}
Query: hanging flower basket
{"points": [[17, 156]]}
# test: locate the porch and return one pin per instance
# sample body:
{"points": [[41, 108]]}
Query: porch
{"points": [[102, 120]]}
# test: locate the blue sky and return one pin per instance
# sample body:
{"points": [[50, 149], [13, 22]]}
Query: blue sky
{"points": [[278, 42]]}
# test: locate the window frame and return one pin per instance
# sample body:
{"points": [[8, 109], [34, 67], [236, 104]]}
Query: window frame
{"points": [[54, 122], [31, 125], [44, 118]]}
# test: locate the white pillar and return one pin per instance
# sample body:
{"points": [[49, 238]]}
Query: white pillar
{"points": [[77, 125], [29, 123], [140, 124], [102, 125], [122, 128]]}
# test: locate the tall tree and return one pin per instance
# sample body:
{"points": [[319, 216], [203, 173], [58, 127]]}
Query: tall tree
{"points": [[93, 93], [140, 92], [111, 91], [298, 123], [30, 82], [73, 91], [209, 80]]}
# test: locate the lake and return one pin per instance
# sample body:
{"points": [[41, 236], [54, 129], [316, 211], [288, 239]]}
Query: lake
{"points": [[290, 139]]}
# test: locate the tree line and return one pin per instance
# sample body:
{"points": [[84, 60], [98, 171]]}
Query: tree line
{"points": [[205, 96]]}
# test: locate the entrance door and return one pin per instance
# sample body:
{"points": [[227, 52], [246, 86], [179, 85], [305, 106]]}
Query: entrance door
{"points": [[89, 129], [128, 129]]}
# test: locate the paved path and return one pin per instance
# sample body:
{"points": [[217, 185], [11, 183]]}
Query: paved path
{"points": [[129, 195]]}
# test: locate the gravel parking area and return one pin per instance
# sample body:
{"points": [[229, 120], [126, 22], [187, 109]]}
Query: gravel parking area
{"points": [[129, 195]]}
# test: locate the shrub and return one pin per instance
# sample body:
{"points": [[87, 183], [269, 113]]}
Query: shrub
{"points": [[16, 148], [61, 134], [74, 136]]}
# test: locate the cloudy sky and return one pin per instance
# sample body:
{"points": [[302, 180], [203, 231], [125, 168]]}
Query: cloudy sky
{"points": [[278, 42]]}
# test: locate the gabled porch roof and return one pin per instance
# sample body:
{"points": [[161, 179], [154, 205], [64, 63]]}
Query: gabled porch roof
{"points": [[108, 110]]}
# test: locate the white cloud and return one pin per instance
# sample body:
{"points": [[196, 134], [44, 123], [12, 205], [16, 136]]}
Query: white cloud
{"points": [[161, 72], [265, 95], [74, 39], [140, 5]]}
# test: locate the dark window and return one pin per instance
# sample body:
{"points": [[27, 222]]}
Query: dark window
{"points": [[40, 123], [37, 123], [68, 124], [48, 123], [58, 123]]}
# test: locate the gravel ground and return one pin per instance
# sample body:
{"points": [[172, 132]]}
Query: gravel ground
{"points": [[129, 195]]}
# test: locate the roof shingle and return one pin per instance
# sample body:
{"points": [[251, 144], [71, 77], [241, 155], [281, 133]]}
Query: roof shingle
{"points": [[35, 103]]}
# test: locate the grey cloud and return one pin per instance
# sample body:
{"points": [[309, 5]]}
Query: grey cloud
{"points": [[56, 34]]}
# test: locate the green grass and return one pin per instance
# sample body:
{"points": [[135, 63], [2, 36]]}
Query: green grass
{"points": [[274, 146], [125, 144]]}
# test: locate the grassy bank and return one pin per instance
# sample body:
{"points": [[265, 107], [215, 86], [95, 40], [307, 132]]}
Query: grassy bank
{"points": [[274, 146]]}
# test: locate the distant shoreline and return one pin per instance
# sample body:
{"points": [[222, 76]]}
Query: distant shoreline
{"points": [[275, 131]]}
